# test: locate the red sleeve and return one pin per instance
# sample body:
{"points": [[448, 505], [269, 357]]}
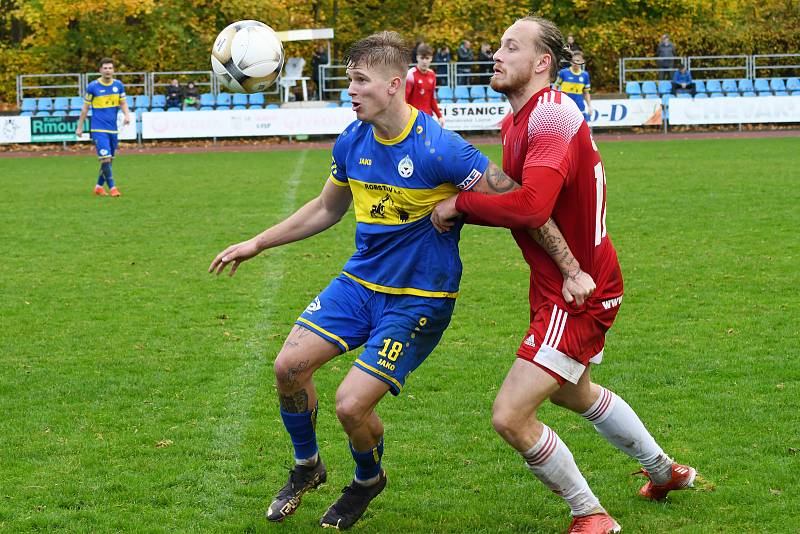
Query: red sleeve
{"points": [[527, 207], [409, 84], [434, 103]]}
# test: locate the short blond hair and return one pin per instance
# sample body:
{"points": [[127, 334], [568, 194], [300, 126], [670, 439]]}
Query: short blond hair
{"points": [[383, 48]]}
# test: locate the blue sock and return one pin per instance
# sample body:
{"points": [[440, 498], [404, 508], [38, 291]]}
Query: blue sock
{"points": [[105, 169], [301, 428], [101, 178], [368, 464]]}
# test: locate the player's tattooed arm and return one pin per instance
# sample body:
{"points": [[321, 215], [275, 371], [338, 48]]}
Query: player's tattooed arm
{"points": [[495, 181]]}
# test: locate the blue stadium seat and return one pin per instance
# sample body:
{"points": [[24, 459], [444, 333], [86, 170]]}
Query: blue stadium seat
{"points": [[28, 104], [730, 87], [75, 102], [138, 112], [477, 93], [684, 94], [59, 113], [716, 95], [732, 95], [461, 94], [749, 93], [664, 87], [173, 108], [206, 108], [700, 86], [781, 93], [777, 84], [633, 88], [700, 95], [61, 103], [206, 99], [713, 86], [745, 85], [636, 97], [666, 98], [649, 88], [652, 96], [762, 86], [42, 113], [256, 100], [158, 101], [445, 95], [26, 114], [240, 106], [793, 85], [343, 104], [239, 99], [344, 97], [190, 108], [74, 113], [276, 106], [223, 101], [141, 102], [44, 104], [331, 105], [492, 95]]}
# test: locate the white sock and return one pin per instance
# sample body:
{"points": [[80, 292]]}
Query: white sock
{"points": [[553, 464], [307, 461], [619, 424]]}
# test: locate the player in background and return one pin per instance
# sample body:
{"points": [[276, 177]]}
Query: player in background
{"points": [[421, 84], [396, 294], [548, 148], [106, 96], [574, 81]]}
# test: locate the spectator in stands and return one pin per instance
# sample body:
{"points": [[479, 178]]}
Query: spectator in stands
{"points": [[320, 57], [487, 69], [464, 54], [442, 56], [191, 96], [421, 84], [174, 94], [665, 50], [572, 45], [682, 81]]}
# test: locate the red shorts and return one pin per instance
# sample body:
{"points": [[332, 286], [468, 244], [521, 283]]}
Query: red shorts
{"points": [[562, 344]]}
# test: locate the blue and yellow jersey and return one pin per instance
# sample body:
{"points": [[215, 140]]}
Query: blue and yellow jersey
{"points": [[574, 85], [395, 184], [105, 100]]}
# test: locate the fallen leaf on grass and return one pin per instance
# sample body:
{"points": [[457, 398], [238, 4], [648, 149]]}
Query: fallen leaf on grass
{"points": [[164, 443]]}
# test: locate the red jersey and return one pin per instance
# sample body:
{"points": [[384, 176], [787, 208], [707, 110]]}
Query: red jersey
{"points": [[549, 150], [421, 91]]}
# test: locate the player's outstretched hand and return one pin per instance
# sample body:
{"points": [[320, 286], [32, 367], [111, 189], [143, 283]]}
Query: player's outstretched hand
{"points": [[444, 214], [577, 287], [235, 255]]}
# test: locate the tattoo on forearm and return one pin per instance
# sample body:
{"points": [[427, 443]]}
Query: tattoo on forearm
{"points": [[498, 181], [294, 402], [549, 237]]}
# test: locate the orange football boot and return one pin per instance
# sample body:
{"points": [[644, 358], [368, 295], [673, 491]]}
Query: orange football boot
{"points": [[99, 191], [601, 523], [682, 478], [115, 192]]}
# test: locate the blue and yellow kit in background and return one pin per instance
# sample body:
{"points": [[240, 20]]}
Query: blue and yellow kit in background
{"points": [[105, 100], [574, 85], [396, 293]]}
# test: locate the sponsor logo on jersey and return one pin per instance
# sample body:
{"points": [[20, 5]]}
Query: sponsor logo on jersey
{"points": [[314, 306], [612, 303], [405, 167], [364, 161], [470, 180], [530, 341]]}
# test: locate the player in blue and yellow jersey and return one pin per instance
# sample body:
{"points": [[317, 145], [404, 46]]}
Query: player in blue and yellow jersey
{"points": [[106, 96], [574, 82], [395, 295]]}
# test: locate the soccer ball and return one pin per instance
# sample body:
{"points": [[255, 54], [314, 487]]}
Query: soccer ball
{"points": [[247, 56]]}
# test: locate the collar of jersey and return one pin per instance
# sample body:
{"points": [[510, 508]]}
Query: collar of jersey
{"points": [[403, 134], [106, 84]]}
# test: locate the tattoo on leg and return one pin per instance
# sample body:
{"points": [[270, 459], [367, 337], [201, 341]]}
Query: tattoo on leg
{"points": [[291, 375], [294, 402]]}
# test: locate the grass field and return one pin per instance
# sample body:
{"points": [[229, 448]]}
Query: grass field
{"points": [[136, 390]]}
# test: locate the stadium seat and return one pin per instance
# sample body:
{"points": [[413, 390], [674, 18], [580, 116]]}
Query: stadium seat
{"points": [[666, 98], [730, 87], [331, 105], [700, 86], [158, 101], [59, 113], [716, 95], [206, 108], [28, 104], [781, 93], [745, 85], [777, 85], [793, 85], [256, 100], [749, 93], [652, 96], [636, 97], [713, 86], [684, 94], [633, 88], [664, 87], [173, 108], [61, 103], [74, 113], [223, 101], [75, 102], [26, 114], [700, 95], [41, 113], [649, 88], [492, 95], [461, 94], [141, 102], [206, 99], [157, 110], [761, 85], [239, 99], [732, 95], [445, 95], [276, 106], [44, 104], [344, 97], [477, 93], [138, 113]]}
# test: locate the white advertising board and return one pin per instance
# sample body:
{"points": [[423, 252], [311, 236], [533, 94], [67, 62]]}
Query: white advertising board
{"points": [[15, 130], [734, 110]]}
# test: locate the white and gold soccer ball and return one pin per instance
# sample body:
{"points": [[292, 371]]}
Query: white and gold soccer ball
{"points": [[247, 56]]}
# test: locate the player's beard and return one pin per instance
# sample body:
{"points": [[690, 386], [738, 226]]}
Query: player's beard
{"points": [[512, 83]]}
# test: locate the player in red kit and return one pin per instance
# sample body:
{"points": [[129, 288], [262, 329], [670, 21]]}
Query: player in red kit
{"points": [[421, 84], [548, 149]]}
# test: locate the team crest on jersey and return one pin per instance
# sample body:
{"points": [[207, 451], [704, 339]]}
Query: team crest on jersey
{"points": [[115, 89], [314, 306], [405, 167]]}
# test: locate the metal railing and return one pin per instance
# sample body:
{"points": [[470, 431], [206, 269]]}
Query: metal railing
{"points": [[49, 83], [775, 65], [718, 67], [131, 80]]}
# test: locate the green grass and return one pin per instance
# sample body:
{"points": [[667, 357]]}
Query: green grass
{"points": [[136, 391]]}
